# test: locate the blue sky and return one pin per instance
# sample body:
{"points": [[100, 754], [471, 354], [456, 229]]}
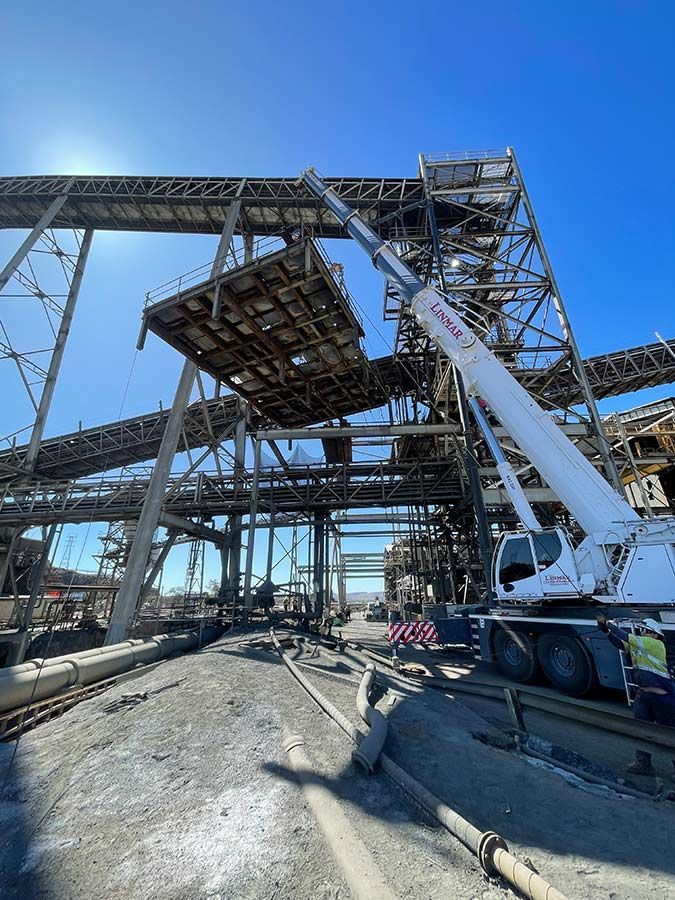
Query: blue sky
{"points": [[584, 92]]}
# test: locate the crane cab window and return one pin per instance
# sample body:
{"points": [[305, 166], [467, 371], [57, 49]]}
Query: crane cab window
{"points": [[547, 548], [516, 561]]}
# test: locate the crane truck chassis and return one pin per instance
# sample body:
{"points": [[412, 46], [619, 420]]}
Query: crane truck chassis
{"points": [[562, 644], [546, 591]]}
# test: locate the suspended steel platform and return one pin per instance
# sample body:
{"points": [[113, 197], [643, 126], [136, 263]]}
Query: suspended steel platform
{"points": [[281, 332]]}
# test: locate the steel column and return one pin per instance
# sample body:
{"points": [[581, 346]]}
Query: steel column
{"points": [[319, 562], [134, 574], [253, 513], [639, 483], [17, 652], [57, 353], [270, 547], [235, 522], [133, 579], [159, 562]]}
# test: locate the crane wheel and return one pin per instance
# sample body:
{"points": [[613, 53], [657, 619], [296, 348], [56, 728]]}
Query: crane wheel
{"points": [[515, 655], [566, 663]]}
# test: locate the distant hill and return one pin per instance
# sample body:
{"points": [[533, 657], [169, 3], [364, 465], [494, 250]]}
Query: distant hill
{"points": [[363, 597]]}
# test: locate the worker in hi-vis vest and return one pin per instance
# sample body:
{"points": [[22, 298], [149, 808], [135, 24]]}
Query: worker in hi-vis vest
{"points": [[655, 692]]}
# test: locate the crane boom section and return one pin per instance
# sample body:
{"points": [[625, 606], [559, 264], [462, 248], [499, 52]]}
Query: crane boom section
{"points": [[592, 501]]}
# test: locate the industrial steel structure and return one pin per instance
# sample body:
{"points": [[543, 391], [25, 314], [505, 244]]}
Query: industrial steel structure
{"points": [[270, 320]]}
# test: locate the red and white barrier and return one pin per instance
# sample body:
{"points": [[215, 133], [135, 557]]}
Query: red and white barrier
{"points": [[412, 633]]}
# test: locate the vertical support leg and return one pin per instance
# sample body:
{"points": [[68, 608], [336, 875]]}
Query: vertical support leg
{"points": [[318, 575], [253, 514], [236, 521], [639, 483], [57, 353], [248, 247], [484, 541], [18, 651], [341, 594], [134, 575], [270, 548], [224, 574]]}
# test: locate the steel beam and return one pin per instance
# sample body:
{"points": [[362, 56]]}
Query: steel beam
{"points": [[172, 521], [355, 431], [159, 562], [134, 574], [30, 240], [235, 522]]}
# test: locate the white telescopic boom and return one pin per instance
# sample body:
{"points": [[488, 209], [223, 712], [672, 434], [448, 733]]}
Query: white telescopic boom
{"points": [[505, 470], [592, 501]]}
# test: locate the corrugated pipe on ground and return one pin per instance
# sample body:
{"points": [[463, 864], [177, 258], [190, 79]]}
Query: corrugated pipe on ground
{"points": [[490, 848], [37, 679], [358, 865], [368, 751]]}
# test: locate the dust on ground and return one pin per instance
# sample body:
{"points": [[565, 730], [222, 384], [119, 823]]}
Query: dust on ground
{"points": [[176, 785]]}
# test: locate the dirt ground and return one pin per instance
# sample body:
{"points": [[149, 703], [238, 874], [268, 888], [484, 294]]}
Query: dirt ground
{"points": [[184, 791]]}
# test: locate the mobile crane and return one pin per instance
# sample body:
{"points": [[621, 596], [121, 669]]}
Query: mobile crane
{"points": [[546, 591]]}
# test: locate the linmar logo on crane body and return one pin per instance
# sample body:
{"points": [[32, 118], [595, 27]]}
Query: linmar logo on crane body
{"points": [[446, 320]]}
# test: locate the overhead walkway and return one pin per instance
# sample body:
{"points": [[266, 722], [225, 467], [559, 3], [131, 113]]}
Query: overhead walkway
{"points": [[296, 490], [270, 206], [609, 374]]}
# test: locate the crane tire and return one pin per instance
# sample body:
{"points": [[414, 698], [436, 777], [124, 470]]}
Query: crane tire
{"points": [[515, 655], [566, 663]]}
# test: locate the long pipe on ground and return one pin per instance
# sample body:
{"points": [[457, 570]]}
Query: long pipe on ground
{"points": [[368, 751], [358, 865], [490, 848], [38, 663], [27, 683]]}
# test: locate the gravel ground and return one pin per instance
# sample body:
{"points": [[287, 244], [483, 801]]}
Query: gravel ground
{"points": [[590, 843], [184, 791]]}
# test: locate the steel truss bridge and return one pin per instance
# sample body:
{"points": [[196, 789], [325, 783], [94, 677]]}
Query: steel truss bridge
{"points": [[269, 206]]}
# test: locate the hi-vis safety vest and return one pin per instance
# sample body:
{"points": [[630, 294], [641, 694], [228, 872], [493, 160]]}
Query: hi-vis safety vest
{"points": [[648, 653]]}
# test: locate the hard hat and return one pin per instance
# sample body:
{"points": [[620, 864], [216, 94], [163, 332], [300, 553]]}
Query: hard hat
{"points": [[652, 625]]}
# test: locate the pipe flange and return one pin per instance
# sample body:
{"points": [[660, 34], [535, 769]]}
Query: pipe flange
{"points": [[489, 842], [77, 669], [362, 760]]}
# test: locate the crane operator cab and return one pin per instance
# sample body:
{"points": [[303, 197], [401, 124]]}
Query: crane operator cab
{"points": [[532, 566]]}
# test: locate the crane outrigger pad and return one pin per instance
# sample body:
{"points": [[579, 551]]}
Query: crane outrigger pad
{"points": [[281, 332]]}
